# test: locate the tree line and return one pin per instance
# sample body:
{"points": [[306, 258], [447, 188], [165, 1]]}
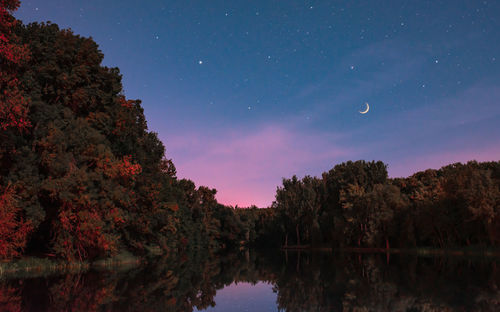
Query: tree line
{"points": [[355, 204]]}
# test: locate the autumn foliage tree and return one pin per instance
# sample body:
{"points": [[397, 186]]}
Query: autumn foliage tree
{"points": [[14, 229], [13, 120], [13, 104]]}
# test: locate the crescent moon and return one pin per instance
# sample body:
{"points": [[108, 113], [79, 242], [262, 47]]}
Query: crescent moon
{"points": [[367, 109]]}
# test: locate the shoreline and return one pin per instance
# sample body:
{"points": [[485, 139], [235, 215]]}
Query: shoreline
{"points": [[30, 267], [411, 251], [35, 267]]}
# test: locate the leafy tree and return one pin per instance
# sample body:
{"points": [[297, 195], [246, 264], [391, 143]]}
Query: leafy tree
{"points": [[14, 229], [289, 206], [13, 122], [13, 104], [383, 204]]}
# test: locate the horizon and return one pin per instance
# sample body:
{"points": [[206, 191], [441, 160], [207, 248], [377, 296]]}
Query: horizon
{"points": [[244, 94]]}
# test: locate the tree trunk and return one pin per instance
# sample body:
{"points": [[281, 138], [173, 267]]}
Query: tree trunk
{"points": [[298, 234], [440, 238], [297, 268], [286, 240], [387, 247]]}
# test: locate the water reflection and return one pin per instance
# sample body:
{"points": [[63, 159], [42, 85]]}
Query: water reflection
{"points": [[268, 282], [245, 296]]}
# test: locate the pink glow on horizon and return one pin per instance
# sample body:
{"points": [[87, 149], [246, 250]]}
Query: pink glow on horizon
{"points": [[246, 168]]}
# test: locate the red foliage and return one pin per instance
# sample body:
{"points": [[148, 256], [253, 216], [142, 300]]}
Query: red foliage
{"points": [[124, 168], [85, 227], [79, 233], [125, 103], [125, 116], [6, 20], [13, 229], [75, 293], [13, 106], [10, 299], [128, 169]]}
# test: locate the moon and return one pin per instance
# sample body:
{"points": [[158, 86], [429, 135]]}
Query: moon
{"points": [[366, 110]]}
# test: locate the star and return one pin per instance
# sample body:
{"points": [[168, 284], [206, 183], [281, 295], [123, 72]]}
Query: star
{"points": [[200, 62], [249, 107], [352, 67]]}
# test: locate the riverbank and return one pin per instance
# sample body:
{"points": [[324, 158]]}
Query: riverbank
{"points": [[35, 267], [471, 251]]}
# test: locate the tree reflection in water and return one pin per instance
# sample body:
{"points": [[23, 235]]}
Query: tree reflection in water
{"points": [[302, 281]]}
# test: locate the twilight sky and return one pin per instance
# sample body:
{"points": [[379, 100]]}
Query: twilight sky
{"points": [[244, 93]]}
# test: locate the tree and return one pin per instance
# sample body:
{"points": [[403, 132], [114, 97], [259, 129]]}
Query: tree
{"points": [[473, 191], [288, 205], [14, 229], [13, 104], [13, 120], [383, 204], [345, 186]]}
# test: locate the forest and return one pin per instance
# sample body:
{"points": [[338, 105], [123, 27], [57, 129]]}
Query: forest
{"points": [[82, 177], [355, 204]]}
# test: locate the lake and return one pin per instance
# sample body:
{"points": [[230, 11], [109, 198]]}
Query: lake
{"points": [[267, 281]]}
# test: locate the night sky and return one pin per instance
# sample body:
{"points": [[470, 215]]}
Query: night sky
{"points": [[244, 93]]}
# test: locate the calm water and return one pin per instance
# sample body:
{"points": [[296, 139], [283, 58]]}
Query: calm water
{"points": [[268, 282]]}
